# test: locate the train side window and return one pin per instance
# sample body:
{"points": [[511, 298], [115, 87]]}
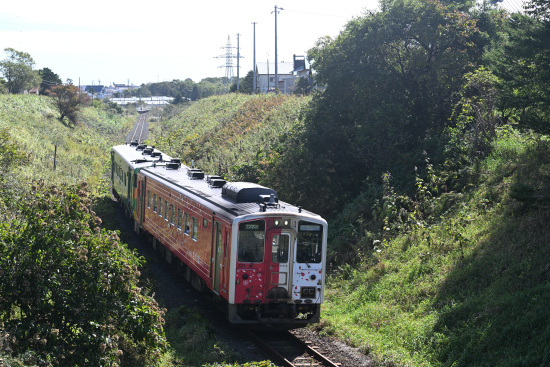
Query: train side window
{"points": [[186, 223], [195, 229], [251, 242], [148, 198], [172, 214], [226, 243], [179, 219], [160, 206], [155, 203], [205, 223], [165, 210]]}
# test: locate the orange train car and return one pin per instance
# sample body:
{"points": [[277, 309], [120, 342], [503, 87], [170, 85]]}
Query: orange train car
{"points": [[263, 259]]}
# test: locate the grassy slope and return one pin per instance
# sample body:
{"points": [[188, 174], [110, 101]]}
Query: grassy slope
{"points": [[467, 288], [473, 288], [222, 132], [82, 152]]}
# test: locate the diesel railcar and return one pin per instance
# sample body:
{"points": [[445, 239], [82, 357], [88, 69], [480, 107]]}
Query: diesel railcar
{"points": [[262, 258]]}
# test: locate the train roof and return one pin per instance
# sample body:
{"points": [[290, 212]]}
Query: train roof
{"points": [[233, 198], [140, 155]]}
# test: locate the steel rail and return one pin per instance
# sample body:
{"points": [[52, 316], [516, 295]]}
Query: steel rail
{"points": [[280, 359]]}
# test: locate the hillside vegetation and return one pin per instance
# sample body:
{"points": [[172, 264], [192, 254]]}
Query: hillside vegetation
{"points": [[230, 134], [81, 152], [428, 152], [70, 292], [438, 277]]}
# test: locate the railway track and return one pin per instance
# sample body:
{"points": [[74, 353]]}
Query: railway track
{"points": [[140, 131], [289, 351]]}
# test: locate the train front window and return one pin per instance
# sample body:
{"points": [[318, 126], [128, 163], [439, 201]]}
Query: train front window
{"points": [[279, 248], [251, 242], [309, 248]]}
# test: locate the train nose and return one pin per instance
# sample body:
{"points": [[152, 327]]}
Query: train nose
{"points": [[278, 293]]}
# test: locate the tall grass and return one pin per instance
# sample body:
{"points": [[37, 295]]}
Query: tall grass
{"points": [[222, 133], [79, 153]]}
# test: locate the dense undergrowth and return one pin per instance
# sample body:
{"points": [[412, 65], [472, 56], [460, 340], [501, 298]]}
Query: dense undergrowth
{"points": [[467, 285]]}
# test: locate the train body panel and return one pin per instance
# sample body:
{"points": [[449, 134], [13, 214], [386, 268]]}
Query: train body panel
{"points": [[264, 258], [126, 161]]}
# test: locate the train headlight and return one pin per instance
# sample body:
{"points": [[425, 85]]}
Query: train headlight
{"points": [[307, 292]]}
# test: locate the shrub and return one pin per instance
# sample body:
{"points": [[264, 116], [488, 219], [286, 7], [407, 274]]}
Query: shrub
{"points": [[70, 291]]}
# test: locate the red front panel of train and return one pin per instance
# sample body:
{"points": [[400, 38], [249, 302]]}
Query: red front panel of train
{"points": [[263, 263]]}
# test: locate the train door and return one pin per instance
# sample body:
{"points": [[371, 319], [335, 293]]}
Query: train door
{"points": [[278, 264], [130, 191], [218, 255], [142, 192]]}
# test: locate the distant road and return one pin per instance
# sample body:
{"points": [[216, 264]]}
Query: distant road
{"points": [[140, 131]]}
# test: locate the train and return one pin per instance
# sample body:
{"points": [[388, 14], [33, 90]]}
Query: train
{"points": [[263, 260]]}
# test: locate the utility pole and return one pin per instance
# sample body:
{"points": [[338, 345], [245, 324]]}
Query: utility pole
{"points": [[238, 57], [276, 11], [254, 61]]}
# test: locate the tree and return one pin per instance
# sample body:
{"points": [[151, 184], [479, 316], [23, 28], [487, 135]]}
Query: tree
{"points": [[68, 101], [49, 79], [18, 72], [522, 61], [178, 99], [195, 95], [247, 83], [539, 9], [302, 86], [391, 78], [70, 291]]}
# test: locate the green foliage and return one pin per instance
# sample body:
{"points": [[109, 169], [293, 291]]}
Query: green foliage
{"points": [[68, 100], [49, 79], [245, 84], [71, 291], [453, 279], [302, 86], [11, 156], [193, 340], [390, 79], [521, 60], [232, 135], [18, 72], [187, 88], [81, 151], [475, 115]]}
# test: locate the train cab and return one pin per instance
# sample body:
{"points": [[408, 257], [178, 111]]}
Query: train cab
{"points": [[279, 268]]}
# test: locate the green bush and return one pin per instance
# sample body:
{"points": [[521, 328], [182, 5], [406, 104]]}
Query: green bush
{"points": [[69, 291]]}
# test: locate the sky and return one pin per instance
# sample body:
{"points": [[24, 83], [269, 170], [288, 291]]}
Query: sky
{"points": [[121, 41]]}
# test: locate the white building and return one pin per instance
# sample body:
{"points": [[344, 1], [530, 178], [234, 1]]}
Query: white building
{"points": [[288, 73]]}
